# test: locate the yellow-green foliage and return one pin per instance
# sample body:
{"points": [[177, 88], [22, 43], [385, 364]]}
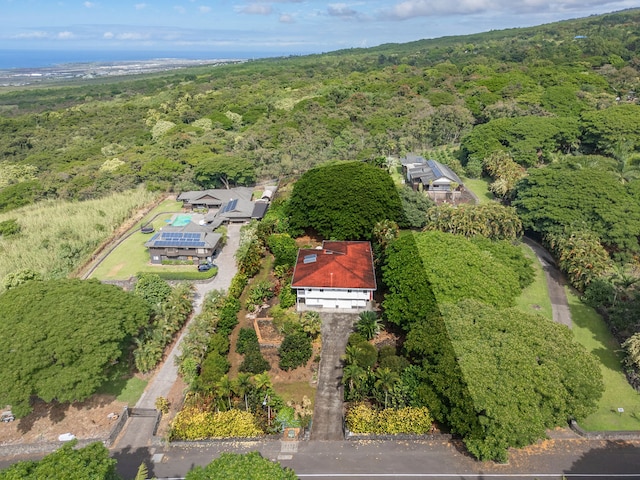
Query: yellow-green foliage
{"points": [[57, 236], [195, 424], [363, 419]]}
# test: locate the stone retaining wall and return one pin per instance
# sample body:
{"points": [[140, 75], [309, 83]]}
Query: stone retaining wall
{"points": [[608, 435]]}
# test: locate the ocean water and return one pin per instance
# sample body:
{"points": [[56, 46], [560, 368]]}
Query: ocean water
{"points": [[48, 58]]}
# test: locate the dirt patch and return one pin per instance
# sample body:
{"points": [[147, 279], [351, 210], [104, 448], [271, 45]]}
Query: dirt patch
{"points": [[114, 271], [86, 420], [176, 400], [307, 373]]}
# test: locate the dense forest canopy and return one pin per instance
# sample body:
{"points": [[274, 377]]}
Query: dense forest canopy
{"points": [[60, 338], [562, 87]]}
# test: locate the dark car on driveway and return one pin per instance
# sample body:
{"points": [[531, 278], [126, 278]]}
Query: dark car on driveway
{"points": [[203, 267]]}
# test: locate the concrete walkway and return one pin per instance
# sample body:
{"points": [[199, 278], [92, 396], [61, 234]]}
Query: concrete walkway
{"points": [[139, 428], [327, 413], [555, 283]]}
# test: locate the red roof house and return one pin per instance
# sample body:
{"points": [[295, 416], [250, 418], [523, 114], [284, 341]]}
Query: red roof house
{"points": [[340, 275]]}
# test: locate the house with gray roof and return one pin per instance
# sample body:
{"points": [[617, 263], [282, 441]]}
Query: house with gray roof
{"points": [[432, 177], [190, 243], [213, 198]]}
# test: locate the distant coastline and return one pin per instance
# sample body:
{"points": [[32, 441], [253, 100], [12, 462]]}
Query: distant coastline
{"points": [[25, 67], [30, 59]]}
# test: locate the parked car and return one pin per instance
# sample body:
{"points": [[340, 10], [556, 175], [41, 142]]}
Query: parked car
{"points": [[203, 267]]}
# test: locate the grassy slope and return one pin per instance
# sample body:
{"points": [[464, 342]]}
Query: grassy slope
{"points": [[131, 256], [479, 186], [590, 330], [535, 298], [56, 236]]}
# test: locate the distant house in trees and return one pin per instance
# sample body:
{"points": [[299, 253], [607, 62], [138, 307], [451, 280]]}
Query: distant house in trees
{"points": [[189, 243], [339, 275], [438, 180], [213, 198]]}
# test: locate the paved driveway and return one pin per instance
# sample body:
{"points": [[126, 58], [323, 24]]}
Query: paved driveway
{"points": [[555, 283], [161, 383], [327, 413]]}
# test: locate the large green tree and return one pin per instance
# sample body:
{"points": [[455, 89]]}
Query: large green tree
{"points": [[546, 376], [216, 171], [552, 198], [59, 338], [457, 269], [530, 140], [248, 466], [343, 201], [603, 129], [88, 463]]}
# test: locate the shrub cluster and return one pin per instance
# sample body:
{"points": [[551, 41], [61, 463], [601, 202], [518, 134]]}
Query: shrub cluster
{"points": [[170, 315], [195, 424], [248, 346], [295, 350], [362, 418], [190, 275]]}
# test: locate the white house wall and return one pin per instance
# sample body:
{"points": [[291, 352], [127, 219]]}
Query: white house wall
{"points": [[333, 298]]}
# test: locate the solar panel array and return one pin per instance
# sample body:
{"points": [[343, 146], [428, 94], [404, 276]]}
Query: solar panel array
{"points": [[178, 239], [229, 206]]}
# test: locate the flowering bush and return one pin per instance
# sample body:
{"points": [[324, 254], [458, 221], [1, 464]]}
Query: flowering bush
{"points": [[195, 424], [363, 419]]}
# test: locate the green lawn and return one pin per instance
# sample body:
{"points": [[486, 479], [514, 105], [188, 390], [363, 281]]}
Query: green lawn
{"points": [[590, 330], [535, 298], [131, 256], [126, 390], [479, 186]]}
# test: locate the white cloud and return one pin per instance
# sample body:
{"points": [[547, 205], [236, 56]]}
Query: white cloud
{"points": [[408, 9], [286, 18], [66, 35], [108, 35], [89, 4], [257, 9], [141, 6], [28, 35], [341, 10], [132, 36], [204, 9]]}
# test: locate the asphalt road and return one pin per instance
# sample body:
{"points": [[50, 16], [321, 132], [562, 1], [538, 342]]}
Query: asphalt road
{"points": [[573, 458]]}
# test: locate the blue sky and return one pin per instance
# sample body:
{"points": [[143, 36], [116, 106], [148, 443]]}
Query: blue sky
{"points": [[269, 27]]}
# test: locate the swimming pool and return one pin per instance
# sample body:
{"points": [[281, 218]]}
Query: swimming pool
{"points": [[181, 220]]}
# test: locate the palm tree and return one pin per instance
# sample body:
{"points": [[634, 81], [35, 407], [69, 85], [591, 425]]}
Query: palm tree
{"points": [[223, 388], [368, 324], [241, 386], [386, 379], [262, 382], [353, 376], [622, 280], [621, 151], [351, 354]]}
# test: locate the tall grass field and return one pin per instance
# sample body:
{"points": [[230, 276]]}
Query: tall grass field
{"points": [[56, 237]]}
